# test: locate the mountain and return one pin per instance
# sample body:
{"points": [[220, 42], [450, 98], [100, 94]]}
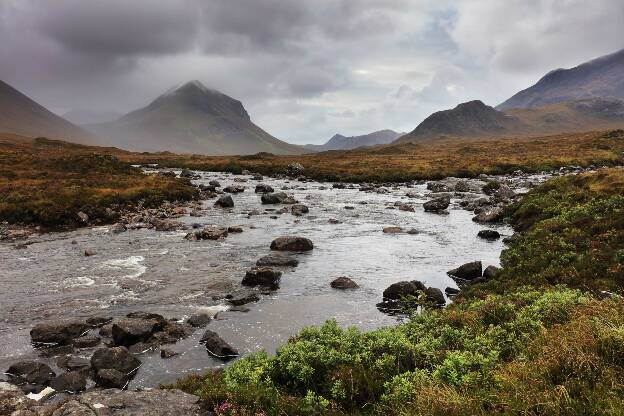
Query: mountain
{"points": [[83, 116], [601, 77], [340, 142], [477, 120], [23, 116], [470, 119], [192, 119]]}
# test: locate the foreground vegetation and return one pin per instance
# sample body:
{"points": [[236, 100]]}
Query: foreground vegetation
{"points": [[48, 183], [427, 160], [533, 341]]}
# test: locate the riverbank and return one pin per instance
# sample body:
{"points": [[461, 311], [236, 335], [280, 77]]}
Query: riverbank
{"points": [[513, 352], [52, 185]]}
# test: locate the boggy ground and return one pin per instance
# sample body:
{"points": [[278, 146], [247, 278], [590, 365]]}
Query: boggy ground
{"points": [[543, 337], [427, 160]]}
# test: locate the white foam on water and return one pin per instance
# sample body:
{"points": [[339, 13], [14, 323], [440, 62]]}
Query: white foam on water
{"points": [[212, 311], [131, 264], [80, 281]]}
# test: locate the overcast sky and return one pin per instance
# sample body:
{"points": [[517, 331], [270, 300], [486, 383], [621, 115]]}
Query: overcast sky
{"points": [[303, 69]]}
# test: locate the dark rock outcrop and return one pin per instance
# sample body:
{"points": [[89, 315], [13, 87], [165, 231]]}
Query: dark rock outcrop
{"points": [[437, 204], [224, 201], [488, 234], [71, 382], [491, 271], [262, 188], [59, 332], [262, 276]]}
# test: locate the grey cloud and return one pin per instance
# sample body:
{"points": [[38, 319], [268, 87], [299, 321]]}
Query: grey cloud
{"points": [[121, 27]]}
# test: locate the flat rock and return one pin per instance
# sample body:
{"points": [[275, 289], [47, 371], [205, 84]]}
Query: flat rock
{"points": [[392, 230]]}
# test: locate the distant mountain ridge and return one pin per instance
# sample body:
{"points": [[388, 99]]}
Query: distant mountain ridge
{"points": [[192, 119], [477, 120], [21, 115], [599, 78], [340, 142]]}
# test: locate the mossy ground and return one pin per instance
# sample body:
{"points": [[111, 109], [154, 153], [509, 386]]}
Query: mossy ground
{"points": [[540, 339]]}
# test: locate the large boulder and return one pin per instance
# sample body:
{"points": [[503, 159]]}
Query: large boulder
{"points": [[73, 363], [262, 188], [217, 347], [116, 358], [343, 282], [224, 201], [277, 260], [468, 271], [127, 332], [262, 276], [58, 332], [398, 290], [291, 243], [199, 320], [30, 372], [437, 204]]}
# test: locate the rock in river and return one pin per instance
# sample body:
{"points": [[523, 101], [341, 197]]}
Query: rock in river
{"points": [[59, 332], [437, 204], [277, 260], [71, 382], [262, 276], [489, 215], [210, 232], [435, 296], [274, 198], [488, 234], [234, 189], [290, 243], [262, 188], [343, 282], [127, 332], [491, 271], [224, 201], [217, 347], [118, 359], [468, 271], [401, 289], [299, 209]]}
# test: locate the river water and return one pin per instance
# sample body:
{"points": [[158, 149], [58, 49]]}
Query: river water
{"points": [[147, 270]]}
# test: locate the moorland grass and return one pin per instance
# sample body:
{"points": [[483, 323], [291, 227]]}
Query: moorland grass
{"points": [[46, 183]]}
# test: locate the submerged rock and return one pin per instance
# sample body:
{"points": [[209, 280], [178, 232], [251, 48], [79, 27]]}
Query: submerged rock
{"points": [[277, 260], [210, 232], [291, 243], [299, 209]]}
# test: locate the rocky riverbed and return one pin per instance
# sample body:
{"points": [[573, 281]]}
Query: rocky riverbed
{"points": [[186, 288]]}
